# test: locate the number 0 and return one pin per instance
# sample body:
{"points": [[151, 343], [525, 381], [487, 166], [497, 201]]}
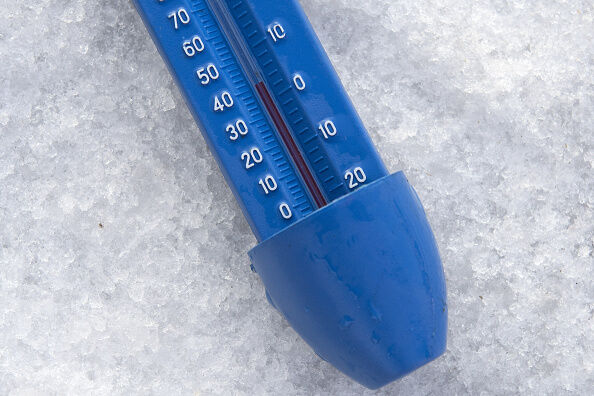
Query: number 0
{"points": [[285, 211], [299, 82]]}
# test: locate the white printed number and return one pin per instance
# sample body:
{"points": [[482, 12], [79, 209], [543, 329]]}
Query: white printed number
{"points": [[208, 73], [194, 46], [285, 211], [328, 129], [252, 158], [277, 32], [179, 16], [223, 102], [268, 184], [355, 177], [299, 82], [236, 130]]}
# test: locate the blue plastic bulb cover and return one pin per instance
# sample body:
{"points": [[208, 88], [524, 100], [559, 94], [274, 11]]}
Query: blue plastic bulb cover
{"points": [[362, 283]]}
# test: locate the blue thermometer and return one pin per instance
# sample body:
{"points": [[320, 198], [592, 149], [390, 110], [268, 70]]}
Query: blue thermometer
{"points": [[345, 250]]}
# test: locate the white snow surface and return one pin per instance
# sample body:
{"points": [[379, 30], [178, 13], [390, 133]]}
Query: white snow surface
{"points": [[123, 265]]}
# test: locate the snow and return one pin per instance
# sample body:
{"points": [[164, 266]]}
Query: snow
{"points": [[123, 265]]}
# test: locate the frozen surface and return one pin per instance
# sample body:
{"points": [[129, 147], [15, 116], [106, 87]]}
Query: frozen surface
{"points": [[123, 266]]}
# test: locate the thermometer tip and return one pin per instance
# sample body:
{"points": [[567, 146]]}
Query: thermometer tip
{"points": [[362, 282]]}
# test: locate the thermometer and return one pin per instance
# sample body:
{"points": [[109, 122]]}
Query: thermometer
{"points": [[345, 251]]}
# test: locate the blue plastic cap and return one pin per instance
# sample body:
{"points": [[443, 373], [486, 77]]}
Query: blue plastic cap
{"points": [[362, 282]]}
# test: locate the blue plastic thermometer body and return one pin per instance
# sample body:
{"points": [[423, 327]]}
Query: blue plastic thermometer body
{"points": [[346, 253]]}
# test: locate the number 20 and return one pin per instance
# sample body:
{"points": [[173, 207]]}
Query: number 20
{"points": [[355, 177], [252, 158]]}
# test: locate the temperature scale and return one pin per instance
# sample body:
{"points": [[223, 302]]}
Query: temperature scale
{"points": [[345, 251]]}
